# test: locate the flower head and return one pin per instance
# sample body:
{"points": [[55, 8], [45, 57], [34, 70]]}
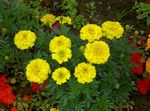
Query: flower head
{"points": [[61, 75], [143, 85], [85, 72], [6, 94], [59, 41], [3, 78], [64, 20], [37, 70], [90, 32], [24, 39], [13, 109], [148, 65], [112, 29], [61, 55], [135, 59], [148, 43], [48, 19], [97, 52]]}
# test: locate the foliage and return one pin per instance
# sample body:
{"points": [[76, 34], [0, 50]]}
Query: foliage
{"points": [[143, 11], [78, 22], [91, 7], [70, 6]]}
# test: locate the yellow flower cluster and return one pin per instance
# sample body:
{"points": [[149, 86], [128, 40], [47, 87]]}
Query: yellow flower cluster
{"points": [[54, 109], [24, 39], [64, 20], [112, 29], [61, 75], [48, 19], [59, 41], [51, 19], [60, 48], [61, 54], [37, 70], [90, 32], [85, 72], [97, 52]]}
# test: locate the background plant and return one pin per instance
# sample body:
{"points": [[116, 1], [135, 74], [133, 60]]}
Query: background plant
{"points": [[143, 11]]}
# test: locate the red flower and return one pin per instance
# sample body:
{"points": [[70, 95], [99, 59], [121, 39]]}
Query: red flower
{"points": [[35, 87], [28, 97], [143, 85], [13, 109], [148, 1], [135, 59], [135, 56], [3, 78], [56, 25], [38, 87], [6, 94]]}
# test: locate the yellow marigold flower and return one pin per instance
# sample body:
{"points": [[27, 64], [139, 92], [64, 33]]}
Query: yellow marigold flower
{"points": [[112, 29], [59, 41], [61, 75], [97, 52], [24, 39], [64, 20], [85, 72], [90, 32], [148, 65], [48, 19], [37, 70], [62, 54], [54, 109]]}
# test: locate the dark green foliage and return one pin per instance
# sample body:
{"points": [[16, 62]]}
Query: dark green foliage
{"points": [[143, 11]]}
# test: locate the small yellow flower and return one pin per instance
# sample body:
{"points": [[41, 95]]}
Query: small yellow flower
{"points": [[112, 29], [85, 72], [59, 41], [37, 70], [48, 19], [54, 109], [90, 32], [61, 75], [97, 52], [62, 54], [24, 39], [64, 20]]}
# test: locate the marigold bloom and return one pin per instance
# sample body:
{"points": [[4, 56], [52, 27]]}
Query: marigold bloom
{"points": [[97, 52], [54, 109], [48, 19], [112, 29], [148, 65], [85, 72], [143, 85], [61, 75], [135, 59], [90, 32], [24, 39], [13, 109], [148, 43], [37, 70], [61, 55], [59, 41], [6, 94], [64, 20]]}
